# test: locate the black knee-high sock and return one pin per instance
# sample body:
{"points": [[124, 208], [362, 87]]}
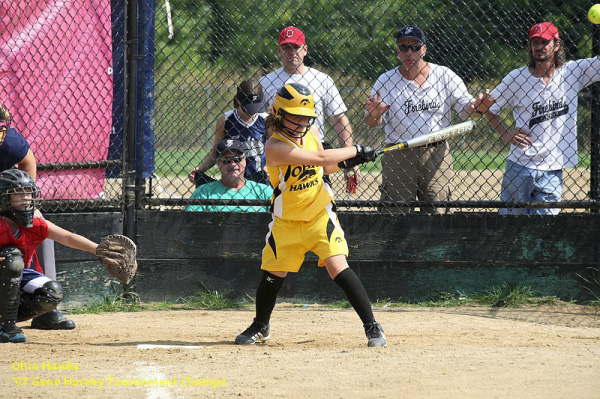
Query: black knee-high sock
{"points": [[356, 294], [266, 296]]}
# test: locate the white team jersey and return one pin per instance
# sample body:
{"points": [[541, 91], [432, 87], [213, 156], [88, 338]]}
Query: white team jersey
{"points": [[328, 100], [414, 110], [547, 111]]}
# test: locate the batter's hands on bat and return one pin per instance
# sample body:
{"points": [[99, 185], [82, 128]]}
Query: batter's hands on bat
{"points": [[363, 155], [518, 137], [375, 108], [366, 154]]}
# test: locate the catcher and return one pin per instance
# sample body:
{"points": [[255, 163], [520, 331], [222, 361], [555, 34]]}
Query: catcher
{"points": [[24, 292]]}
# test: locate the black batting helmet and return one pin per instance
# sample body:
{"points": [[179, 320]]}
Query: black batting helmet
{"points": [[15, 181]]}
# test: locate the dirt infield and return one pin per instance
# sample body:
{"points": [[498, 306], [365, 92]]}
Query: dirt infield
{"points": [[462, 353]]}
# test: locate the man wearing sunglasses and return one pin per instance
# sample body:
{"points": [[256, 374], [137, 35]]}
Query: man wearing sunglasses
{"points": [[414, 99], [232, 185]]}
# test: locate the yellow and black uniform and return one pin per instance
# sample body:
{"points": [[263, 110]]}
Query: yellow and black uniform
{"points": [[303, 219], [303, 214]]}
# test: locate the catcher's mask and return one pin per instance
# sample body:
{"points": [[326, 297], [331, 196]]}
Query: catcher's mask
{"points": [[294, 99], [14, 182], [5, 121]]}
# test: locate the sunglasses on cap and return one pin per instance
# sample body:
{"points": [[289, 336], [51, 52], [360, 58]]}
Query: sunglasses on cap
{"points": [[414, 47], [228, 160]]}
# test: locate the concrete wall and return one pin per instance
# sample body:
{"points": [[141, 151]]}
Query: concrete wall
{"points": [[400, 258]]}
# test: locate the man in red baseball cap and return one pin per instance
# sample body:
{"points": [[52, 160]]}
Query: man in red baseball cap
{"points": [[292, 35], [292, 50], [545, 49], [543, 97], [545, 30]]}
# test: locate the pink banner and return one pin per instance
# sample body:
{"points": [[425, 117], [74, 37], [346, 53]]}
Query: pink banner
{"points": [[56, 80]]}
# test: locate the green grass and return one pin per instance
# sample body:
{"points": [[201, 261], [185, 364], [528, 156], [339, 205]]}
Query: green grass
{"points": [[209, 300], [512, 296], [130, 302], [505, 296], [591, 282], [116, 302], [479, 160], [176, 162], [338, 305]]}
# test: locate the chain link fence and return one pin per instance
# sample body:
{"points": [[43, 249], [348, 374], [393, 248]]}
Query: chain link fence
{"points": [[67, 90], [56, 82], [205, 49]]}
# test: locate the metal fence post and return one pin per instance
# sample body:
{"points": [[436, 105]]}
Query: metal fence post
{"points": [[132, 60], [595, 129]]}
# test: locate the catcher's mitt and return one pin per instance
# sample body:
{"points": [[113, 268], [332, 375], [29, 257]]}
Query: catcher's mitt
{"points": [[117, 253]]}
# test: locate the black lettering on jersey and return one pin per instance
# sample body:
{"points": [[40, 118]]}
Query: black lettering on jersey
{"points": [[301, 172], [287, 174], [545, 112], [304, 186], [307, 174], [421, 106]]}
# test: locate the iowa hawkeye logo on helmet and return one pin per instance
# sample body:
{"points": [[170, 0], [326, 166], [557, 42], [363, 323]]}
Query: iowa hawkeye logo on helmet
{"points": [[294, 99], [290, 90]]}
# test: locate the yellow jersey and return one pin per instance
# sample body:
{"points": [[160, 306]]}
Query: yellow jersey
{"points": [[299, 192]]}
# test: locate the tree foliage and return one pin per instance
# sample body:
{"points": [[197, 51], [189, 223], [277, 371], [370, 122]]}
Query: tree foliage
{"points": [[479, 40]]}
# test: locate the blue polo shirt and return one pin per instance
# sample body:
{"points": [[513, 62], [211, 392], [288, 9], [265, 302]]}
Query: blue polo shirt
{"points": [[13, 149]]}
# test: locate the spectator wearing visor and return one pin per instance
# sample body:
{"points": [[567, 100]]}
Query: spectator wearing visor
{"points": [[233, 184], [245, 123]]}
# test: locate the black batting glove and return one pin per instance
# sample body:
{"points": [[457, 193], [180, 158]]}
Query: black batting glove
{"points": [[363, 155], [367, 154]]}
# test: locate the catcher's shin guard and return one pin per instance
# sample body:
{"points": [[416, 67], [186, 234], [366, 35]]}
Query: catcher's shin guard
{"points": [[43, 300], [11, 271]]}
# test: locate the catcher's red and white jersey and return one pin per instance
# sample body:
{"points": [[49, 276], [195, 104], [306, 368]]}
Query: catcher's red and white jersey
{"points": [[29, 240]]}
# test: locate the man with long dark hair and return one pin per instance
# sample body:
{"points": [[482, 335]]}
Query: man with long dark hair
{"points": [[543, 97]]}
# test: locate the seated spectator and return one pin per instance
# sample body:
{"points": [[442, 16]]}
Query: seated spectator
{"points": [[246, 123], [233, 184]]}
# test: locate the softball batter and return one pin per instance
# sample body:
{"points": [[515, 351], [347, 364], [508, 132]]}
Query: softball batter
{"points": [[303, 211]]}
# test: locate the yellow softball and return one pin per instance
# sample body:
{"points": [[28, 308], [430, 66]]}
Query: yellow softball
{"points": [[594, 14]]}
